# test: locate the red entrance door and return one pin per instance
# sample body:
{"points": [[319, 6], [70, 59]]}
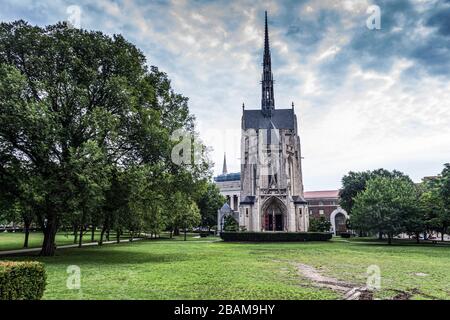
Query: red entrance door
{"points": [[268, 222]]}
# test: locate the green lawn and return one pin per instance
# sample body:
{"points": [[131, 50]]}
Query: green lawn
{"points": [[12, 241], [211, 269]]}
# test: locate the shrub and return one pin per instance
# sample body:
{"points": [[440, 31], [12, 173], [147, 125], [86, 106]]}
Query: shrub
{"points": [[319, 225], [345, 234], [230, 224], [22, 280], [275, 236]]}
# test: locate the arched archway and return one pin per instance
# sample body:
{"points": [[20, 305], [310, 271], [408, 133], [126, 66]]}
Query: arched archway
{"points": [[274, 215], [338, 219]]}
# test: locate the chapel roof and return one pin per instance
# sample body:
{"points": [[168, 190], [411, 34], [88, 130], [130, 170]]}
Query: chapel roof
{"points": [[279, 119]]}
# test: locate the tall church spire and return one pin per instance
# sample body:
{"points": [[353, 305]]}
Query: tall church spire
{"points": [[224, 170], [267, 100]]}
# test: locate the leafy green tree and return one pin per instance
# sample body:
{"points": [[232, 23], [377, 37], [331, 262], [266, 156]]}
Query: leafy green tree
{"points": [[184, 212], [444, 216], [28, 203], [435, 202], [352, 184], [116, 201], [147, 200], [385, 205], [62, 88], [432, 205], [20, 195], [210, 201], [10, 213], [82, 113], [415, 219], [355, 182], [90, 180], [191, 217], [73, 102], [319, 225]]}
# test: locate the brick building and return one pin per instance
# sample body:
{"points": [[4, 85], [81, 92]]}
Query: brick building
{"points": [[326, 204]]}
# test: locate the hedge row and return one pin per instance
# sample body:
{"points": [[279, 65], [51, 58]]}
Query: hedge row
{"points": [[345, 234], [275, 236], [22, 280]]}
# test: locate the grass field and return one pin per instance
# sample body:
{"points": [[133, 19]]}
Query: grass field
{"points": [[12, 241], [211, 269]]}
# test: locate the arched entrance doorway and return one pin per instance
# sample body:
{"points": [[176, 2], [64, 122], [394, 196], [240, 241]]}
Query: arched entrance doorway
{"points": [[274, 213], [338, 219]]}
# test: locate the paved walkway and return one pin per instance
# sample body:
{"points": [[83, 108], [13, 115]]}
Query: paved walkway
{"points": [[88, 244]]}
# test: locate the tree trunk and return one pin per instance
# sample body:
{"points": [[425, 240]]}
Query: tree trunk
{"points": [[107, 235], [118, 236], [380, 235], [185, 234], [442, 236], [131, 236], [48, 245], [417, 237], [80, 239], [75, 234], [171, 233], [27, 233], [176, 231], [389, 238], [102, 234], [93, 233]]}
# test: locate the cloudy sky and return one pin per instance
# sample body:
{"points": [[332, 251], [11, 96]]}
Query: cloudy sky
{"points": [[364, 98]]}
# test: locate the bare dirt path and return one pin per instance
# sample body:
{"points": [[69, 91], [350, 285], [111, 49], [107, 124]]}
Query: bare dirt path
{"points": [[348, 290]]}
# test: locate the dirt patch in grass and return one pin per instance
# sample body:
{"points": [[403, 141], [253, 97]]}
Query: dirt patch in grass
{"points": [[403, 295], [348, 290], [406, 295]]}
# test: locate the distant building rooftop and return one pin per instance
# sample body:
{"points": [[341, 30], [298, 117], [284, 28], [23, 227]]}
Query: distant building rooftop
{"points": [[322, 194], [236, 176]]}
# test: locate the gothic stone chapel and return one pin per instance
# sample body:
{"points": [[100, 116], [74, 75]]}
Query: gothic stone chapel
{"points": [[271, 172]]}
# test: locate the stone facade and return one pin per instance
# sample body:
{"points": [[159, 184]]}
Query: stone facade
{"points": [[271, 172], [273, 202]]}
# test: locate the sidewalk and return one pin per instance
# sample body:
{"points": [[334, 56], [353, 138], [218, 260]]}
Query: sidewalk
{"points": [[67, 246]]}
